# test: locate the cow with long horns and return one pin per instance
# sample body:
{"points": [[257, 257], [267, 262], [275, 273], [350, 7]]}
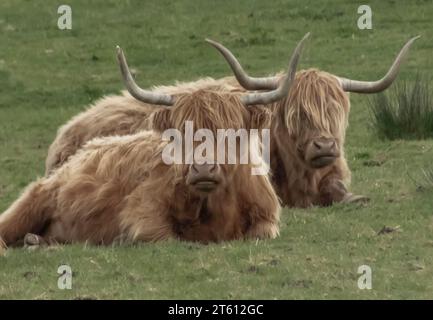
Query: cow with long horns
{"points": [[308, 127], [119, 188], [308, 130]]}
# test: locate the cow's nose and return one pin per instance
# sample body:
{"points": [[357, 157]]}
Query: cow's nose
{"points": [[204, 177], [324, 144], [205, 169]]}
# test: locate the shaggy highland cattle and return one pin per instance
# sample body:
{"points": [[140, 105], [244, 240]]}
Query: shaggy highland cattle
{"points": [[308, 127], [308, 131], [120, 189]]}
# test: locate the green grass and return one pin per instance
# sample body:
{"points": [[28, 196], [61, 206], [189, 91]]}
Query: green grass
{"points": [[48, 75], [406, 111]]}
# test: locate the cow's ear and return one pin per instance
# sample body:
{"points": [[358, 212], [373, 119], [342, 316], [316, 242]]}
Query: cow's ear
{"points": [[160, 120], [260, 116]]}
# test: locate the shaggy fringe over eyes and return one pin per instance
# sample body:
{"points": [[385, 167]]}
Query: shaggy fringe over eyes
{"points": [[210, 110], [317, 101]]}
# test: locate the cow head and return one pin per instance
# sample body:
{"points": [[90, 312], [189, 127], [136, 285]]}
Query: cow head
{"points": [[314, 118], [212, 110]]}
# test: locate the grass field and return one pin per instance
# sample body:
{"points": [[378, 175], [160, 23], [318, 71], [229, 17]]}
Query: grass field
{"points": [[47, 75]]}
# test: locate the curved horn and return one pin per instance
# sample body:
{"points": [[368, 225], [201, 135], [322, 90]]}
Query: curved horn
{"points": [[138, 93], [382, 84], [285, 83], [249, 83]]}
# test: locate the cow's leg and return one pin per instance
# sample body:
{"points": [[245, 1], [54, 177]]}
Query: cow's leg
{"points": [[263, 230], [144, 219], [264, 224], [28, 214], [332, 190]]}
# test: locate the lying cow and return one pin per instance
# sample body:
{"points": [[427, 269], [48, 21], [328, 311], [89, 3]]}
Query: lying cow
{"points": [[119, 188], [308, 131]]}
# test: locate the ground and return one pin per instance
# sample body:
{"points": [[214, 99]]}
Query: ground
{"points": [[48, 75]]}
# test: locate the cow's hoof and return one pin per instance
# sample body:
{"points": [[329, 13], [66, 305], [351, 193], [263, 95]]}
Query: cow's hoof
{"points": [[33, 241], [354, 198]]}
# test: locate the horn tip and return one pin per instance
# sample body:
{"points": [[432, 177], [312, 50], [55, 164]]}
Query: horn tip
{"points": [[412, 40], [307, 35], [210, 41]]}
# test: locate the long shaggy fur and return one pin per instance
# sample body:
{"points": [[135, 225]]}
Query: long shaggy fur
{"points": [[317, 101], [118, 115], [118, 189], [316, 106]]}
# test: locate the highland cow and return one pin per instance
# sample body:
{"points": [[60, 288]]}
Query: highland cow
{"points": [[119, 188], [308, 131]]}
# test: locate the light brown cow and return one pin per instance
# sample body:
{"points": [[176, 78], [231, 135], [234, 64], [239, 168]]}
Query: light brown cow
{"points": [[308, 131], [119, 188]]}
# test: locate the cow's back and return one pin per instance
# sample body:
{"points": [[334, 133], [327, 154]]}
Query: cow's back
{"points": [[119, 115], [112, 115]]}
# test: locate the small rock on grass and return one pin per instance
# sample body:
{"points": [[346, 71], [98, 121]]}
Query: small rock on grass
{"points": [[386, 230]]}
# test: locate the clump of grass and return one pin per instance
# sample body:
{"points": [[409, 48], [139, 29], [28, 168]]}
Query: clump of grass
{"points": [[406, 111], [424, 181]]}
